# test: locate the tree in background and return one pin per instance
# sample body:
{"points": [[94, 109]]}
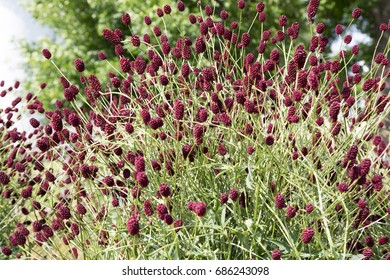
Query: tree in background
{"points": [[75, 19]]}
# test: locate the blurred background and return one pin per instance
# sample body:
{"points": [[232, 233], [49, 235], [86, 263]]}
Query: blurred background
{"points": [[72, 29]]}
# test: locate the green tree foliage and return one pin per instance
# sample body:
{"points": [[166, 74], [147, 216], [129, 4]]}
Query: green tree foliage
{"points": [[77, 26]]}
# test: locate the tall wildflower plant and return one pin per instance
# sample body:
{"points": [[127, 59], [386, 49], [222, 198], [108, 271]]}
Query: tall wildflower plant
{"points": [[200, 149]]}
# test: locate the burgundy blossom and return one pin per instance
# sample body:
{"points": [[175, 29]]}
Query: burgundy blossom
{"points": [[307, 235]]}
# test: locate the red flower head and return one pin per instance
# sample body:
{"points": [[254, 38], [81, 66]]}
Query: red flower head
{"points": [[356, 13], [148, 208], [276, 254], [132, 226], [164, 190], [180, 6], [46, 53], [279, 201], [126, 19], [79, 65], [162, 210], [177, 225], [307, 235], [111, 36]]}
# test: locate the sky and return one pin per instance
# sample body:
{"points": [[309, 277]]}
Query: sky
{"points": [[15, 23]]}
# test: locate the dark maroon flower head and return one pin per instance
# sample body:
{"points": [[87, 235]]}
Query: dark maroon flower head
{"points": [[108, 181], [200, 45], [178, 109], [338, 29], [34, 122], [208, 10], [262, 16], [167, 9], [81, 209], [192, 19], [320, 28], [4, 178], [145, 115], [307, 235], [129, 127], [224, 15], [159, 12], [57, 224], [102, 55], [241, 4], [43, 144], [282, 20], [177, 225], [355, 50], [135, 40], [369, 241], [367, 253], [94, 83], [199, 208], [139, 163], [79, 64], [250, 150], [163, 80], [147, 20], [164, 190], [19, 238], [148, 208], [111, 36], [162, 210], [334, 110], [223, 198], [376, 182], [46, 53], [356, 13], [309, 208], [361, 203], [260, 7], [126, 19], [180, 6], [142, 179], [23, 230], [233, 194], [47, 231], [168, 219], [124, 63], [156, 123], [6, 250], [300, 56], [56, 122], [74, 120], [383, 26], [269, 140], [279, 201], [365, 167], [27, 192], [383, 240], [75, 252], [245, 39], [342, 187], [222, 149], [63, 212], [132, 226], [71, 92], [291, 211], [74, 227], [276, 254], [312, 9]]}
